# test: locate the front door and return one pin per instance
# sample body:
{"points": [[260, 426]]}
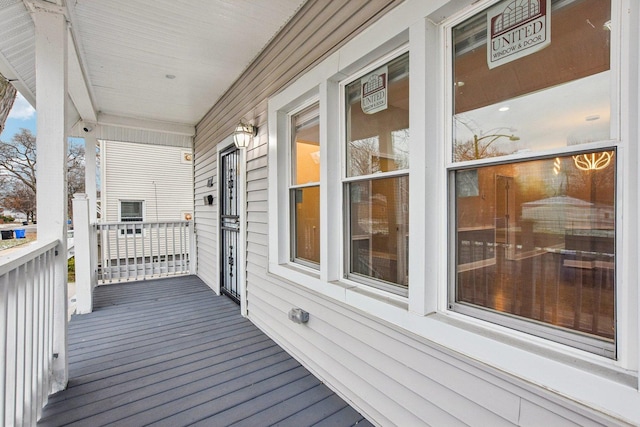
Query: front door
{"points": [[229, 224]]}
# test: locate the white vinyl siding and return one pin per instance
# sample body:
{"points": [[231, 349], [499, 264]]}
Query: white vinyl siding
{"points": [[398, 362], [146, 173]]}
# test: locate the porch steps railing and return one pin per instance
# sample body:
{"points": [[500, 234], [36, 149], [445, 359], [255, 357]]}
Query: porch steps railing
{"points": [[26, 330], [142, 250]]}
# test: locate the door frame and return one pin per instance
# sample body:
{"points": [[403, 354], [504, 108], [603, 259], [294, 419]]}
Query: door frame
{"points": [[223, 146]]}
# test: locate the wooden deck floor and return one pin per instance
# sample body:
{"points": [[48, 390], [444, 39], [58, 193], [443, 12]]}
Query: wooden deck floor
{"points": [[170, 352]]}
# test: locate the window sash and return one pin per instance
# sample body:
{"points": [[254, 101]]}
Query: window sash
{"points": [[381, 158], [586, 341], [131, 211], [377, 232], [304, 213]]}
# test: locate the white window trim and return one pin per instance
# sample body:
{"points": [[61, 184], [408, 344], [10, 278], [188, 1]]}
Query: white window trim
{"points": [[291, 186], [610, 386], [323, 85], [144, 215], [372, 283], [621, 311]]}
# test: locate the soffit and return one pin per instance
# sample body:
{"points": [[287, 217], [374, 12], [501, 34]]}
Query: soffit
{"points": [[127, 48]]}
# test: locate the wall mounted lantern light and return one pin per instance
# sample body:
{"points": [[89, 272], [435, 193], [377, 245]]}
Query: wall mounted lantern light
{"points": [[243, 134]]}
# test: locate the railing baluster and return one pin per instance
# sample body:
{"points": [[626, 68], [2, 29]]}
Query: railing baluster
{"points": [[21, 343], [166, 248], [4, 309], [136, 238], [28, 345], [144, 260], [183, 261], [38, 333], [173, 244], [12, 349], [26, 328], [160, 249]]}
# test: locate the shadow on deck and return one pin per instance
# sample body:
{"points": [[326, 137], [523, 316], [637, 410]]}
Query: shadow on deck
{"points": [[170, 352]]}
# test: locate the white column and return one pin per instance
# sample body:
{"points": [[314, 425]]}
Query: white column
{"points": [[82, 242], [90, 175], [51, 87]]}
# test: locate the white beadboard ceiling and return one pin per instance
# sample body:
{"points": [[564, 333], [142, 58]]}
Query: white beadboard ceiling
{"points": [[126, 49]]}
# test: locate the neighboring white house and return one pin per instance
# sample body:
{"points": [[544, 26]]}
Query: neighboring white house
{"points": [[141, 182], [149, 187]]}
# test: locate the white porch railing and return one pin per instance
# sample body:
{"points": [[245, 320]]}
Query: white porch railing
{"points": [[26, 332], [143, 250]]}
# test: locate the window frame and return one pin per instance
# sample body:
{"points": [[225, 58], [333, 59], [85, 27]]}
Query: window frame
{"points": [[516, 324], [346, 180], [292, 187], [138, 230], [323, 84]]}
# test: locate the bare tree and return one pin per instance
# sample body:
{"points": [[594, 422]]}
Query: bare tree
{"points": [[75, 173], [364, 156], [20, 198], [18, 158], [7, 97], [18, 172]]}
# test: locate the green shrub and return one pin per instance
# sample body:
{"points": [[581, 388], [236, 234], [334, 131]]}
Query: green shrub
{"points": [[71, 269]]}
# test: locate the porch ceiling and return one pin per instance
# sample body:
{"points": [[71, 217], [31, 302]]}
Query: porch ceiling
{"points": [[123, 54]]}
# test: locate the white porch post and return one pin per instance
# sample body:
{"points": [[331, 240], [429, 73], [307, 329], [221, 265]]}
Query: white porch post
{"points": [[90, 175], [51, 86], [82, 241]]}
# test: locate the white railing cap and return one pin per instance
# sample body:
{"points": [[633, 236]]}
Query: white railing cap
{"points": [[22, 256]]}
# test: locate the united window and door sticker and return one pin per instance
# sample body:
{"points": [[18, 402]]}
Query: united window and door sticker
{"points": [[517, 28], [374, 91]]}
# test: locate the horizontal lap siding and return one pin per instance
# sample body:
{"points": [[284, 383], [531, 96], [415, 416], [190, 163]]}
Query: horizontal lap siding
{"points": [[391, 381], [205, 168], [144, 172], [393, 377]]}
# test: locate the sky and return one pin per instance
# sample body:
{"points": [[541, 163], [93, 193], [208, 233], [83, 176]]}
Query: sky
{"points": [[22, 115]]}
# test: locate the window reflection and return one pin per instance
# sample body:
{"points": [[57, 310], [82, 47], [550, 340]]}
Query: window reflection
{"points": [[305, 190], [379, 229], [536, 239], [377, 142], [307, 224], [556, 97]]}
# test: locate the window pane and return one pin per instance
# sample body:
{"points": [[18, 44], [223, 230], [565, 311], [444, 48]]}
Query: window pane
{"points": [[555, 97], [378, 122], [306, 224], [536, 240], [131, 211], [306, 146], [379, 229]]}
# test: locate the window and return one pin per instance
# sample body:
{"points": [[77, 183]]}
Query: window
{"points": [[376, 185], [305, 186], [534, 233], [131, 211]]}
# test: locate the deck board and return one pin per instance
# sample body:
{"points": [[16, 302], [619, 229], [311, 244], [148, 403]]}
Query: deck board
{"points": [[169, 352]]}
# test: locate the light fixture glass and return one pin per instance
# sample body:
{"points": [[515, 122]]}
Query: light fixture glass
{"points": [[243, 134]]}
